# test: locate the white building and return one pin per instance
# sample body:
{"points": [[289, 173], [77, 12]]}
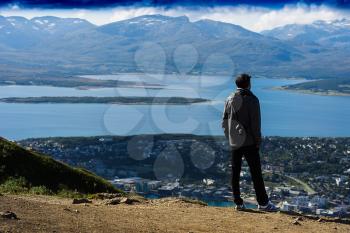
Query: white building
{"points": [[288, 206]]}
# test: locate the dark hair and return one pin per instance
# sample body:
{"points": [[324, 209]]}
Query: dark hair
{"points": [[243, 80]]}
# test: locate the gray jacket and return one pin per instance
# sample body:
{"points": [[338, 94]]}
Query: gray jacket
{"points": [[241, 119]]}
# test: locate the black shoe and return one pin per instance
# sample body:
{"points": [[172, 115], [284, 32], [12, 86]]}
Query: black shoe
{"points": [[270, 207]]}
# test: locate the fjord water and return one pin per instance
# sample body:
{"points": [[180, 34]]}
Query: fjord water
{"points": [[283, 113]]}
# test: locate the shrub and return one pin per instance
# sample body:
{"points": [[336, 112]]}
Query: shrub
{"points": [[14, 186], [40, 190], [70, 194]]}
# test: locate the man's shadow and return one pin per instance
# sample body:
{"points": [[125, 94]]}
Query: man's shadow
{"points": [[252, 211]]}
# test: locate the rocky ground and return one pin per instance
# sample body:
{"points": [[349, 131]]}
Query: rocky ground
{"points": [[53, 214]]}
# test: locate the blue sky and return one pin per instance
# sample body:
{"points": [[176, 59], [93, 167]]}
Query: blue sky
{"points": [[255, 15], [168, 3]]}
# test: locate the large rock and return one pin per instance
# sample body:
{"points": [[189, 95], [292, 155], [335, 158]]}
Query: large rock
{"points": [[8, 215], [80, 201], [104, 196], [113, 201], [120, 200]]}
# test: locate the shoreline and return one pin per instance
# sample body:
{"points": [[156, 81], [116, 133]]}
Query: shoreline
{"points": [[123, 84], [309, 92]]}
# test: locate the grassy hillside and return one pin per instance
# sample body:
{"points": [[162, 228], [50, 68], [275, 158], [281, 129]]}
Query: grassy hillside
{"points": [[39, 170]]}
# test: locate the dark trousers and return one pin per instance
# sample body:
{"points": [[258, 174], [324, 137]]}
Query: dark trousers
{"points": [[251, 155]]}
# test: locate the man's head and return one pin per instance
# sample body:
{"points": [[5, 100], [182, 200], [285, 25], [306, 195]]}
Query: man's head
{"points": [[243, 81]]}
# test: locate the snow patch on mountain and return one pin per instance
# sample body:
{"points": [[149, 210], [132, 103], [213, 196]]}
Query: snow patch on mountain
{"points": [[39, 21]]}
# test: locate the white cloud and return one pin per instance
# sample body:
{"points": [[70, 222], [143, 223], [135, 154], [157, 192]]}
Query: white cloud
{"points": [[253, 18], [14, 7], [301, 14]]}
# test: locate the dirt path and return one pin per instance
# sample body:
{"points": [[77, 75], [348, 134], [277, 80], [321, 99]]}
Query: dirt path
{"points": [[51, 214]]}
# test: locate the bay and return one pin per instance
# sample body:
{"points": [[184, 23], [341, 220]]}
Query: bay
{"points": [[284, 113]]}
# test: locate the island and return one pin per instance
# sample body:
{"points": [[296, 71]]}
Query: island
{"points": [[74, 82], [103, 100], [335, 87]]}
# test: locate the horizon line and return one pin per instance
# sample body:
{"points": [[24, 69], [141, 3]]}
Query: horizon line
{"points": [[255, 19], [173, 17]]}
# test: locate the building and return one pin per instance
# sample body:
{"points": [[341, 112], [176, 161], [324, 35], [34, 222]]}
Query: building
{"points": [[169, 189], [288, 206]]}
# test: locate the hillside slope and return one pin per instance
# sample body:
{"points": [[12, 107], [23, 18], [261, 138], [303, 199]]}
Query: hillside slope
{"points": [[49, 214], [41, 170]]}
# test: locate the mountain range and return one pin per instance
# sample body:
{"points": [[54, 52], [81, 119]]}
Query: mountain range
{"points": [[52, 46]]}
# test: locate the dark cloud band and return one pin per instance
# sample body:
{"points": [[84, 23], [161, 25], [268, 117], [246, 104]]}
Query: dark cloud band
{"points": [[165, 3]]}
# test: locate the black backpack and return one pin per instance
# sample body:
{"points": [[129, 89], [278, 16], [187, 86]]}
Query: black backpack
{"points": [[236, 131]]}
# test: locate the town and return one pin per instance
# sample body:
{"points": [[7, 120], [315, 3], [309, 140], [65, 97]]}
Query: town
{"points": [[304, 174]]}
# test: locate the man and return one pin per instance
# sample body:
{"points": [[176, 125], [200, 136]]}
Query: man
{"points": [[242, 126]]}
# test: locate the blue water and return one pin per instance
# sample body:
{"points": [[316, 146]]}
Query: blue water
{"points": [[283, 113], [228, 204]]}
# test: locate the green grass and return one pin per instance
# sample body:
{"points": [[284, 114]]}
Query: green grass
{"points": [[20, 185], [40, 190], [14, 186], [24, 171]]}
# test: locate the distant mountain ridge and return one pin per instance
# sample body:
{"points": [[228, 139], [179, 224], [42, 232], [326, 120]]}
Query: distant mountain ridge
{"points": [[52, 46], [322, 32], [19, 32]]}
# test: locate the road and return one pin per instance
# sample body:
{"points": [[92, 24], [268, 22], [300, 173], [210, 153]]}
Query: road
{"points": [[305, 186]]}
